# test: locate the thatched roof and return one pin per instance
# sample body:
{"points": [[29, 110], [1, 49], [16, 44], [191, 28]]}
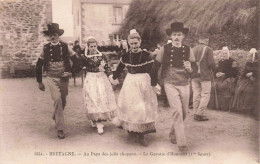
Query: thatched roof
{"points": [[152, 17]]}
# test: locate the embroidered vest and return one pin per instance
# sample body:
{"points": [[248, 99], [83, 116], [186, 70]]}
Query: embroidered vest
{"points": [[174, 57], [56, 53]]}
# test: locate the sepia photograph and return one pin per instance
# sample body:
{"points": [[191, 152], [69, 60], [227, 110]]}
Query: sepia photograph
{"points": [[129, 81]]}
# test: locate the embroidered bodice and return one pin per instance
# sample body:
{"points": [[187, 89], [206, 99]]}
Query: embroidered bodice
{"points": [[140, 62], [93, 62]]}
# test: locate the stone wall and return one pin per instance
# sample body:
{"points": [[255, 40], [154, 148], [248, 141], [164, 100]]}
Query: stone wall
{"points": [[21, 38]]}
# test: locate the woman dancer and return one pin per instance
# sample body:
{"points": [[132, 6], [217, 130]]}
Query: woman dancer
{"points": [[137, 102], [97, 91]]}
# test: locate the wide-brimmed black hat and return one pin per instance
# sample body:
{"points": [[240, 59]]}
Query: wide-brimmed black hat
{"points": [[53, 28], [177, 26]]}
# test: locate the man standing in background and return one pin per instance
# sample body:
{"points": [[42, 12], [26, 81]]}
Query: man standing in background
{"points": [[201, 77]]}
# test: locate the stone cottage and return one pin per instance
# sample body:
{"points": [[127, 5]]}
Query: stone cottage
{"points": [[21, 40]]}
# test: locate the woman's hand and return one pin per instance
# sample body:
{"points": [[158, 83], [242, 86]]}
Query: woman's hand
{"points": [[112, 81], [103, 63], [101, 66], [157, 89]]}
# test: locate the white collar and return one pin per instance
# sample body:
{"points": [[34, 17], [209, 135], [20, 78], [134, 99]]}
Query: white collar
{"points": [[55, 44], [177, 46], [98, 54]]}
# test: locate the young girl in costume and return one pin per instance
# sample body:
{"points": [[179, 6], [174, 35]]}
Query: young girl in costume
{"points": [[97, 91]]}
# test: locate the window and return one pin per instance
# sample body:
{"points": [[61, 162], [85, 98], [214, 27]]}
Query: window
{"points": [[117, 15], [118, 37], [111, 36]]}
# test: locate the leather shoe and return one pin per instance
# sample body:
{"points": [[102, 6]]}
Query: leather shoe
{"points": [[100, 129], [53, 117], [173, 139], [61, 134], [183, 148], [142, 140], [200, 118]]}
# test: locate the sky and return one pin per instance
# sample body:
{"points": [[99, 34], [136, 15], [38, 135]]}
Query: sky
{"points": [[62, 14]]}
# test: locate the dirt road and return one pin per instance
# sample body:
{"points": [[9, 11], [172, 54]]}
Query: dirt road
{"points": [[28, 135]]}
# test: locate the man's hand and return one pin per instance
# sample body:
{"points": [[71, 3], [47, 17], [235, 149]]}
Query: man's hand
{"points": [[249, 74], [41, 86], [220, 74], [187, 66], [66, 74]]}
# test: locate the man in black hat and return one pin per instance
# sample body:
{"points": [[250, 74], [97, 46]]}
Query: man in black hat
{"points": [[55, 60], [175, 59]]}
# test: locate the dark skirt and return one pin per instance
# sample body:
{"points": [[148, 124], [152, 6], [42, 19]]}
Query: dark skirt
{"points": [[246, 96], [225, 89]]}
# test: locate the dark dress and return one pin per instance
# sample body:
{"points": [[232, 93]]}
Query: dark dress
{"points": [[246, 92], [224, 85]]}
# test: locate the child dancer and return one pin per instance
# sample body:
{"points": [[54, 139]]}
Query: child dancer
{"points": [[97, 91]]}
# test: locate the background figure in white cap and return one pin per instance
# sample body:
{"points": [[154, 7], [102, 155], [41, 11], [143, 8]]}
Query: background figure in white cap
{"points": [[201, 77], [246, 92], [226, 77], [97, 91]]}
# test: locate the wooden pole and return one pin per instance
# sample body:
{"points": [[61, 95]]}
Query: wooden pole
{"points": [[215, 90]]}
